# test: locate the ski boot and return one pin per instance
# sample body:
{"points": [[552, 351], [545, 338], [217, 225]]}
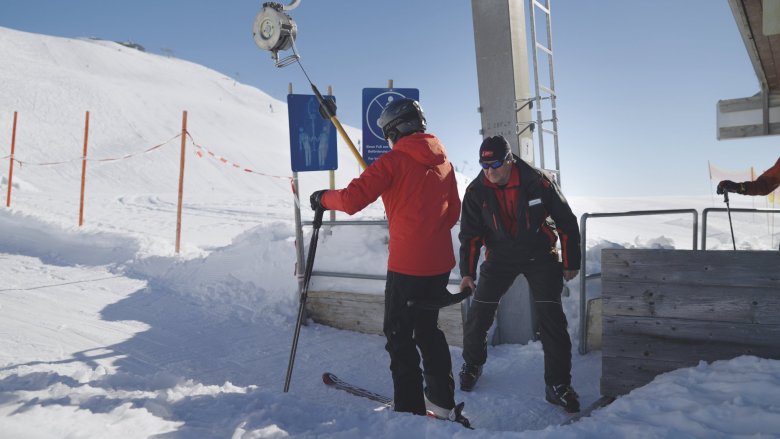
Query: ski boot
{"points": [[564, 396], [469, 375], [454, 415]]}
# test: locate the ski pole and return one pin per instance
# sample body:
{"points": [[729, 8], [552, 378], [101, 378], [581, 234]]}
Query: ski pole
{"points": [[728, 209], [317, 223]]}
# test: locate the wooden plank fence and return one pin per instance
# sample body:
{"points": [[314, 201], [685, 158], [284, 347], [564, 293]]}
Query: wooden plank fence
{"points": [[365, 313], [667, 309]]}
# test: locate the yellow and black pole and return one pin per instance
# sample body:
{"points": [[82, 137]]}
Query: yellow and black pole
{"points": [[329, 108]]}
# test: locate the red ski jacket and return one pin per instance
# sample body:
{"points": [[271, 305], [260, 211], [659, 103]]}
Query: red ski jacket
{"points": [[765, 183], [420, 194]]}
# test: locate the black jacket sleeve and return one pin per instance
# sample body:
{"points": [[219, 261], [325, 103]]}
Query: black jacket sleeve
{"points": [[472, 233], [565, 222]]}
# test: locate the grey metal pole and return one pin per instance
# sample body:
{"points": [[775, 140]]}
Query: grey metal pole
{"points": [[583, 299], [298, 234]]}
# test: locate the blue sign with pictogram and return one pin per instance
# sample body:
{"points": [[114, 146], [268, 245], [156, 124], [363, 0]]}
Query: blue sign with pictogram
{"points": [[312, 137], [374, 101]]}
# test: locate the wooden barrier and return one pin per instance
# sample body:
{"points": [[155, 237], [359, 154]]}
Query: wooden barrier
{"points": [[667, 309], [365, 313]]}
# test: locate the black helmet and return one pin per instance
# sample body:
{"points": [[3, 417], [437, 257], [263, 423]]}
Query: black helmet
{"points": [[401, 118]]}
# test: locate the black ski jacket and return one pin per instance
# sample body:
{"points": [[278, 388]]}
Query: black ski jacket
{"points": [[543, 215]]}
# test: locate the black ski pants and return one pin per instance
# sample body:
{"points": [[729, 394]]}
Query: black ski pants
{"points": [[408, 329], [545, 280]]}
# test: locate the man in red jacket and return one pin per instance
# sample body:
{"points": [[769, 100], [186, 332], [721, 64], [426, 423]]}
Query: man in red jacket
{"points": [[418, 188], [763, 185]]}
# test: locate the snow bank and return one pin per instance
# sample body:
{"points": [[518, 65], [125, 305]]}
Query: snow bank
{"points": [[252, 277]]}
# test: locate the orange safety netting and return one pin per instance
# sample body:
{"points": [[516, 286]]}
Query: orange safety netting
{"points": [[717, 174]]}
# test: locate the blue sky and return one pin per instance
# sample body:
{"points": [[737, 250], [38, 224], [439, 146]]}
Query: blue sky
{"points": [[638, 82]]}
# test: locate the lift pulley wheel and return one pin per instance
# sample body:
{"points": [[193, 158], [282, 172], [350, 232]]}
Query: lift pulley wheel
{"points": [[273, 30]]}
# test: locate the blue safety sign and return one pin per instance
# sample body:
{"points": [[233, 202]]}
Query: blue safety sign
{"points": [[312, 137], [374, 101]]}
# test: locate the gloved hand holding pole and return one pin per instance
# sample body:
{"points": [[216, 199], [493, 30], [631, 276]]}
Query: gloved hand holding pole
{"points": [[728, 209]]}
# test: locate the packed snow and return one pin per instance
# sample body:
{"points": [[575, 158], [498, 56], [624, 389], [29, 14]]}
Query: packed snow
{"points": [[107, 332]]}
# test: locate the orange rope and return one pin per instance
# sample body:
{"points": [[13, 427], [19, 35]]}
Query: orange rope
{"points": [[126, 156], [203, 149]]}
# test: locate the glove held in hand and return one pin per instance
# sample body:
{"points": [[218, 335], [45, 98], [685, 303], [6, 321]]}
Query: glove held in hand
{"points": [[316, 200], [730, 186]]}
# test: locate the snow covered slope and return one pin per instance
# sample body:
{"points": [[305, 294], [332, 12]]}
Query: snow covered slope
{"points": [[135, 100]]}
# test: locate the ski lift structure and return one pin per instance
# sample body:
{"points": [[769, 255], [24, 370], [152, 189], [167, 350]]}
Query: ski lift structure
{"points": [[628, 361]]}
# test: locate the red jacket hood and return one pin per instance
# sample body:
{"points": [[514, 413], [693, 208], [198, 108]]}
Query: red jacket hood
{"points": [[423, 148]]}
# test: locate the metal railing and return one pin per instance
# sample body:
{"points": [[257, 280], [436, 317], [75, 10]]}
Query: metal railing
{"points": [[583, 277], [364, 276], [583, 231], [346, 275], [723, 209], [350, 223]]}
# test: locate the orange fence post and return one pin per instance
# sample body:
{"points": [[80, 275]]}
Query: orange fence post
{"points": [[83, 171], [11, 166], [181, 179]]}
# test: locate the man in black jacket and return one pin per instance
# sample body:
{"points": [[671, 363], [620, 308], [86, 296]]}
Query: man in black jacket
{"points": [[518, 214]]}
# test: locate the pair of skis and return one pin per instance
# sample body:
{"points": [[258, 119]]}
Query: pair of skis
{"points": [[337, 383]]}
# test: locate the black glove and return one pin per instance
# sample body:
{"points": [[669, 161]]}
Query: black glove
{"points": [[729, 186], [331, 104], [316, 200]]}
